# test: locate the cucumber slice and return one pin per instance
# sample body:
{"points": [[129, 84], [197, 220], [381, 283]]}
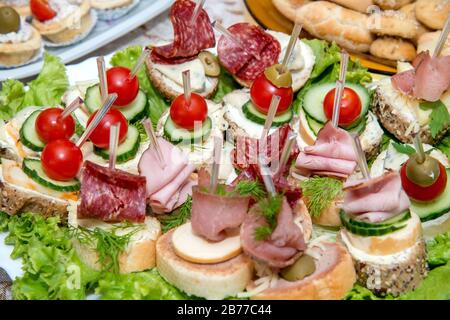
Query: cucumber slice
{"points": [[360, 126], [134, 112], [316, 126], [28, 134], [33, 169], [176, 134], [127, 150], [252, 114], [348, 224], [432, 210], [314, 97], [402, 217]]}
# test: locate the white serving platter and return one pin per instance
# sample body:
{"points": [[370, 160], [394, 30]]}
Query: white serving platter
{"points": [[103, 33]]}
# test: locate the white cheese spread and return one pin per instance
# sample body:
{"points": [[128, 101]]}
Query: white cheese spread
{"points": [[63, 9], [174, 72], [24, 34]]}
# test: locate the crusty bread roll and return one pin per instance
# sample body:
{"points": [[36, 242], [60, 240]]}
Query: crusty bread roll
{"points": [[433, 13], [391, 4], [333, 278], [210, 281], [331, 22], [393, 49], [410, 11], [329, 217], [358, 5], [393, 23], [428, 42], [289, 7]]}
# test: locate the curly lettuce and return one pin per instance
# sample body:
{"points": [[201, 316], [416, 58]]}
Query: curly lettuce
{"points": [[439, 250]]}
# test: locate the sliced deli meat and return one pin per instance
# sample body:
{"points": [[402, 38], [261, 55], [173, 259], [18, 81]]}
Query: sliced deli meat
{"points": [[253, 51], [331, 155], [168, 184], [282, 247], [429, 79], [111, 195], [189, 38], [376, 199]]}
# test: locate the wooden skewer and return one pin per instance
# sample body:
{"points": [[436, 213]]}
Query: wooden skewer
{"points": [[291, 139], [197, 10], [442, 38], [114, 131], [187, 86], [98, 117], [148, 126], [218, 144], [102, 77], [362, 162], [290, 48], [139, 63], [74, 105], [272, 111]]}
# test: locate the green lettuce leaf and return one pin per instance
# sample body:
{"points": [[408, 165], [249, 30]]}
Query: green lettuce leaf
{"points": [[361, 293], [128, 58], [439, 250], [444, 145], [11, 98], [148, 285], [439, 117], [226, 85]]}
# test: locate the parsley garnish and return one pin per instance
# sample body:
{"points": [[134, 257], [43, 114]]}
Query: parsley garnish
{"points": [[439, 117], [403, 148], [177, 218], [269, 209], [319, 193]]}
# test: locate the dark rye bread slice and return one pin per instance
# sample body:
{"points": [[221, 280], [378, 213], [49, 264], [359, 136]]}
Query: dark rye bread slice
{"points": [[158, 81]]}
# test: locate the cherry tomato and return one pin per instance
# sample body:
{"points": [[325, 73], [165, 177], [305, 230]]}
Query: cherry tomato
{"points": [[100, 136], [119, 81], [420, 193], [262, 91], [50, 126], [61, 160], [42, 10], [185, 115], [350, 106]]}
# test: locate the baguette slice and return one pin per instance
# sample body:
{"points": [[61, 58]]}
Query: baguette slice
{"points": [[210, 281], [140, 253]]}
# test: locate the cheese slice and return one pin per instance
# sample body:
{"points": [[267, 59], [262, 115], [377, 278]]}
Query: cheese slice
{"points": [[175, 73], [193, 248]]}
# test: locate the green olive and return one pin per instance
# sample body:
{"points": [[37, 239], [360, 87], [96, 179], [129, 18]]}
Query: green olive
{"points": [[423, 173], [210, 63], [303, 267], [279, 77], [9, 20]]}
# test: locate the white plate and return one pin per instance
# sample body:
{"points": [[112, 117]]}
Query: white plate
{"points": [[103, 33]]}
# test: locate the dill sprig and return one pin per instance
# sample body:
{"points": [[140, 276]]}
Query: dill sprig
{"points": [[250, 188], [269, 209], [177, 218], [319, 193], [108, 244]]}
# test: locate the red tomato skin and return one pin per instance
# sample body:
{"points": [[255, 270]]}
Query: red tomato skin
{"points": [[118, 79], [50, 127], [61, 160], [185, 115], [424, 194], [42, 10], [350, 106], [263, 90], [100, 136]]}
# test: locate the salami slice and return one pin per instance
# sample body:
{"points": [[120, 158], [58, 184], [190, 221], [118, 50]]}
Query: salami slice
{"points": [[189, 38], [251, 54], [111, 195]]}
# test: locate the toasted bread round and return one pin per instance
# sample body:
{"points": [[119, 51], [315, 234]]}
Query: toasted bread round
{"points": [[210, 281], [393, 49], [161, 84], [334, 277], [12, 54], [194, 248]]}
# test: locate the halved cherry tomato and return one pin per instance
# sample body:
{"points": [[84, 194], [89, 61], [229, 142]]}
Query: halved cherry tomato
{"points": [[50, 126], [186, 115], [100, 136], [120, 82], [61, 160], [420, 193], [42, 10], [263, 90], [350, 106]]}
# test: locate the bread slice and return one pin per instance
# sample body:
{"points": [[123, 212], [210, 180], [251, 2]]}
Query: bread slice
{"points": [[333, 278], [210, 281], [169, 89], [140, 253], [389, 274]]}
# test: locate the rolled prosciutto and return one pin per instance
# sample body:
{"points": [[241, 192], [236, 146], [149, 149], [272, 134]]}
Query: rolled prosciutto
{"points": [[331, 155], [168, 184]]}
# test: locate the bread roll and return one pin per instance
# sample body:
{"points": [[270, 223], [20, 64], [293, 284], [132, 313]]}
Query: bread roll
{"points": [[289, 7], [393, 49], [357, 5], [433, 13], [331, 22], [391, 4], [428, 42], [410, 11], [393, 23]]}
